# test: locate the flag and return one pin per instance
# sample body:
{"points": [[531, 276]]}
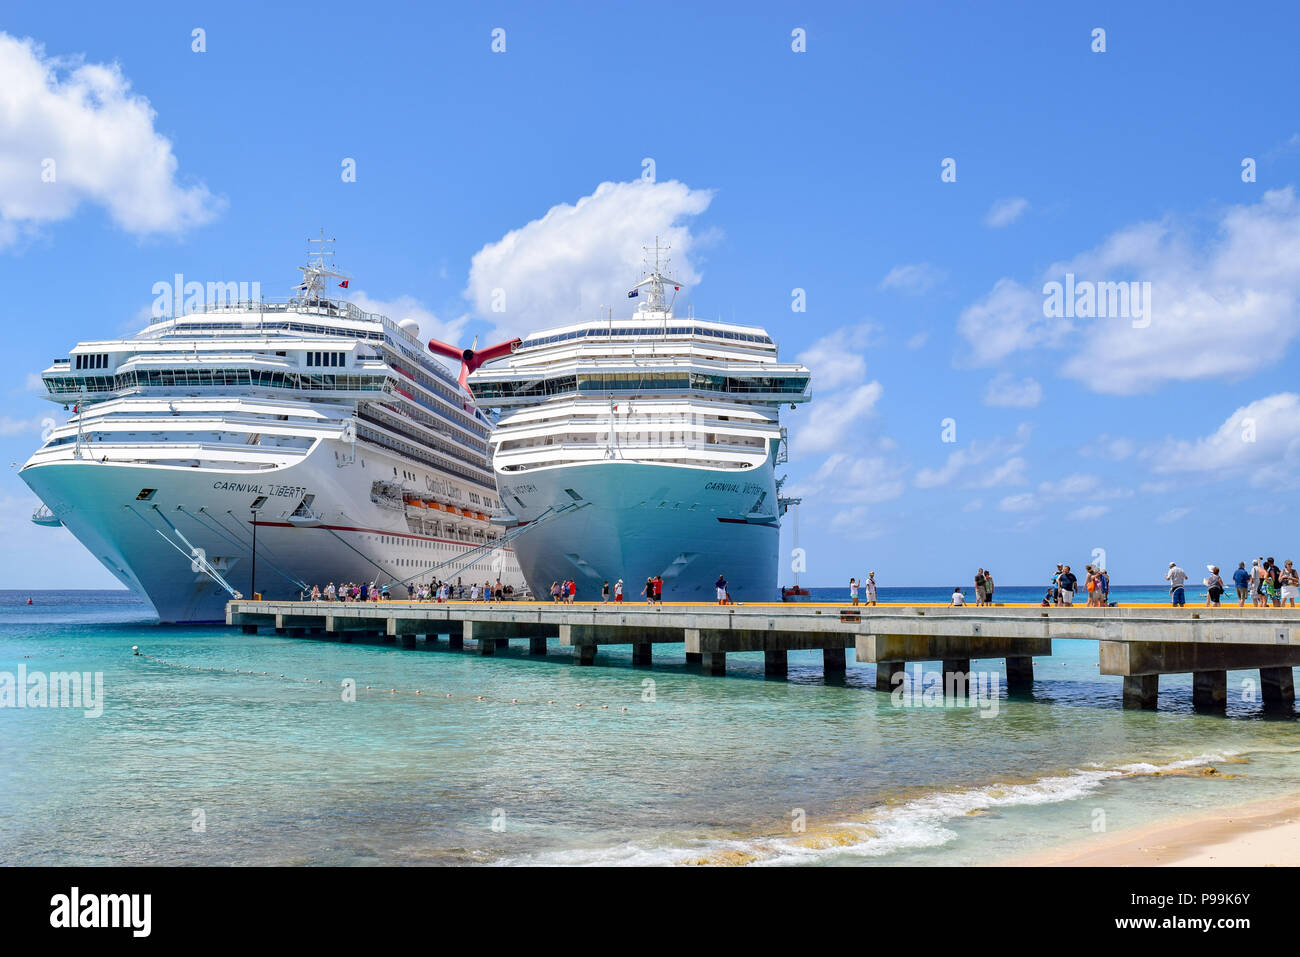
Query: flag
{"points": [[344, 284], [676, 288], [633, 293]]}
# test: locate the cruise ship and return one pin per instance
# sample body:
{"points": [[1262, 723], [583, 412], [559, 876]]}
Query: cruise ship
{"points": [[643, 446], [267, 446]]}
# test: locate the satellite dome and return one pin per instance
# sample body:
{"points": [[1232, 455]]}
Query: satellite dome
{"points": [[411, 326]]}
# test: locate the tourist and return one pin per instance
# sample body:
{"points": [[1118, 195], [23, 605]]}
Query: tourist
{"points": [[604, 592], [988, 587], [721, 587], [1241, 579], [315, 592], [1056, 588], [1067, 584], [618, 592], [1274, 583], [1290, 585], [649, 590], [957, 599], [1257, 582], [871, 588], [659, 589], [555, 592], [853, 590], [573, 590], [1090, 584], [1214, 584], [979, 587], [1176, 578]]}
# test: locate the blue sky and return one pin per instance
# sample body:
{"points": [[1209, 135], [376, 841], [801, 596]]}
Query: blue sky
{"points": [[774, 170]]}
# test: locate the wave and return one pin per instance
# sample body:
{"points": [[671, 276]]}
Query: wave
{"points": [[911, 824]]}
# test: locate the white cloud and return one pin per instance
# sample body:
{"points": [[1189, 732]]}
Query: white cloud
{"points": [[1005, 391], [1173, 515], [1088, 513], [565, 265], [1009, 318], [10, 426], [833, 360], [1203, 295], [973, 456], [918, 340], [1010, 472], [832, 419], [101, 138], [1113, 448], [853, 480], [1260, 440], [1004, 212], [915, 278], [1022, 502]]}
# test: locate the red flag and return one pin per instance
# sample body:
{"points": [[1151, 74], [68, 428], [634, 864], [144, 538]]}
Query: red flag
{"points": [[344, 284]]}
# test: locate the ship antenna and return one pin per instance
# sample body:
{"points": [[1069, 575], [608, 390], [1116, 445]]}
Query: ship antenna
{"points": [[317, 269], [654, 282]]}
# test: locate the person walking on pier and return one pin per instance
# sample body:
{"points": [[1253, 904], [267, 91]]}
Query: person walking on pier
{"points": [[555, 592], [618, 592], [871, 588], [1067, 584], [988, 587], [1241, 579], [604, 593], [721, 587], [1177, 578], [1056, 587], [1274, 582], [1214, 586], [853, 590], [658, 583], [649, 590], [979, 587], [573, 590]]}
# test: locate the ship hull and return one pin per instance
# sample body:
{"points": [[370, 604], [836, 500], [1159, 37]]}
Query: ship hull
{"points": [[150, 545], [633, 520]]}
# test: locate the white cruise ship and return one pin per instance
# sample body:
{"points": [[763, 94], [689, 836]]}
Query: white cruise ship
{"points": [[643, 446], [327, 435]]}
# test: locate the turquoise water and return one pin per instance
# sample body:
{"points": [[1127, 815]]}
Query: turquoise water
{"points": [[284, 771]]}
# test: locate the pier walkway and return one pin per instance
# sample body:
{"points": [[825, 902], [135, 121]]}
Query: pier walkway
{"points": [[1137, 642]]}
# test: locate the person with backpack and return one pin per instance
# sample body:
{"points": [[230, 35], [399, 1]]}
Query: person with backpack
{"points": [[721, 587]]}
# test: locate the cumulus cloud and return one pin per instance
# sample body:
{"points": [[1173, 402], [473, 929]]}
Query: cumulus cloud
{"points": [[565, 265], [1088, 513], [1260, 440], [914, 278], [854, 480], [1004, 212], [81, 124], [1008, 392], [1111, 447], [831, 420], [1204, 292], [972, 461], [833, 360]]}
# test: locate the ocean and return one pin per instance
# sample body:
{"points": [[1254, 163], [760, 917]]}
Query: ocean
{"points": [[218, 748]]}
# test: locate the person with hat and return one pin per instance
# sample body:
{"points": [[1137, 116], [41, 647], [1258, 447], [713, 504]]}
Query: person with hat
{"points": [[1177, 578]]}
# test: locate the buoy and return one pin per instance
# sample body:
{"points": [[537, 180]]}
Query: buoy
{"points": [[604, 707], [448, 694], [479, 698], [550, 702], [135, 649]]}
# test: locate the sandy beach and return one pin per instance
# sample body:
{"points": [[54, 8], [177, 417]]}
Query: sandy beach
{"points": [[1260, 834]]}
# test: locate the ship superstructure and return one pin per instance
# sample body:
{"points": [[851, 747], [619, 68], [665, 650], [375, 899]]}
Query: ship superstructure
{"points": [[329, 434], [658, 438]]}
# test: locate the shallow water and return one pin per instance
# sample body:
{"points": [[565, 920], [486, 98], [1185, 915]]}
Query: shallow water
{"points": [[283, 770]]}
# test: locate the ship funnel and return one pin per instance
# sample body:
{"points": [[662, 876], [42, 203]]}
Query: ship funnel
{"points": [[471, 359]]}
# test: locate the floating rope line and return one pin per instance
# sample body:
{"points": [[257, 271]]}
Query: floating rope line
{"points": [[419, 692]]}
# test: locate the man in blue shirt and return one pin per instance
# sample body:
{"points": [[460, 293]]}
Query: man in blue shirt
{"points": [[1241, 578]]}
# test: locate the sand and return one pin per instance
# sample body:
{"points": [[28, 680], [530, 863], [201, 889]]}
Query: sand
{"points": [[1260, 834]]}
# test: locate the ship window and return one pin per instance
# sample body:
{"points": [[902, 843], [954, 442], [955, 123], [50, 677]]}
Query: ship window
{"points": [[145, 494], [258, 502], [573, 495]]}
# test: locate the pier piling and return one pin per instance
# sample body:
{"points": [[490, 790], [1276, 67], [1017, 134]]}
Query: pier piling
{"points": [[1137, 644]]}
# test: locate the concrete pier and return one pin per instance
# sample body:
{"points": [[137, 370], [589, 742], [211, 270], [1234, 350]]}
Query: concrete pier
{"points": [[1137, 643]]}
